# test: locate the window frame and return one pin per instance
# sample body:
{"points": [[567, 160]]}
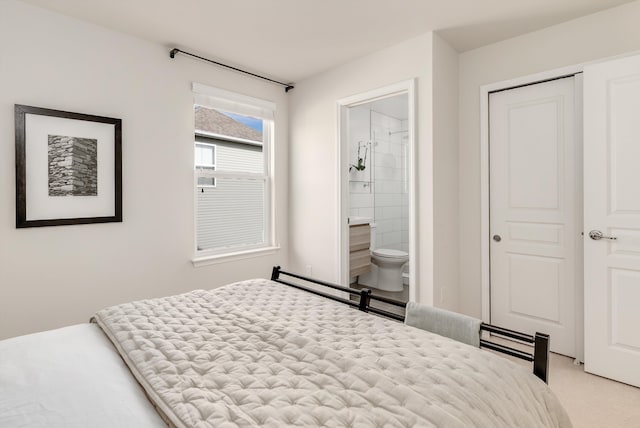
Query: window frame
{"points": [[268, 246]]}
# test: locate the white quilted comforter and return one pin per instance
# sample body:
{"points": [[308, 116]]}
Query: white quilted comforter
{"points": [[259, 353]]}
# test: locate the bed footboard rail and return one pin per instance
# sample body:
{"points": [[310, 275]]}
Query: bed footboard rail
{"points": [[540, 342], [364, 295]]}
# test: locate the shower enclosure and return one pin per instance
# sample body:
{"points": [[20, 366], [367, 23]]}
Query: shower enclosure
{"points": [[378, 169]]}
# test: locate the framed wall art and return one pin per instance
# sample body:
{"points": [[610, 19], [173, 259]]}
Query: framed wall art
{"points": [[68, 168]]}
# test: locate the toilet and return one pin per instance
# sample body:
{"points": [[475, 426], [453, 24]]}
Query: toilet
{"points": [[386, 267]]}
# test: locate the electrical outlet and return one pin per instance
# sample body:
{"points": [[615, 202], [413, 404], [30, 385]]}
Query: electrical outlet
{"points": [[308, 270]]}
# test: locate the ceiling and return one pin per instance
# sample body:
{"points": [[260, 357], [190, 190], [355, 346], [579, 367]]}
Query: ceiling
{"points": [[290, 40]]}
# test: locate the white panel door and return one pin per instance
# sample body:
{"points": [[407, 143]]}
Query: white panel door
{"points": [[612, 206], [534, 210]]}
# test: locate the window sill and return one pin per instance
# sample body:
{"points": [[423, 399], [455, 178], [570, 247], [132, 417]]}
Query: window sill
{"points": [[230, 257]]}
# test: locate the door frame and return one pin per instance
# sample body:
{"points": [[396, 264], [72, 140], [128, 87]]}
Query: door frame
{"points": [[485, 239], [342, 173]]}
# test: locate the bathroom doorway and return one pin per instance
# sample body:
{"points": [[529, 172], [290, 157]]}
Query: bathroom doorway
{"points": [[377, 183]]}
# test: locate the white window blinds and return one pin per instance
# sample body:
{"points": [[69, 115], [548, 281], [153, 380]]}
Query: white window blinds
{"points": [[210, 97]]}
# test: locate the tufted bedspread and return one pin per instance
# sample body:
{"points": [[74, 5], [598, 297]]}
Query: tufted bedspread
{"points": [[259, 353]]}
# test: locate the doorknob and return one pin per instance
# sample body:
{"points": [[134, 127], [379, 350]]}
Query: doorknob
{"points": [[497, 238], [596, 235]]}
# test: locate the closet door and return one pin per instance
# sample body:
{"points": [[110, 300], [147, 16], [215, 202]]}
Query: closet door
{"points": [[612, 219], [535, 220]]}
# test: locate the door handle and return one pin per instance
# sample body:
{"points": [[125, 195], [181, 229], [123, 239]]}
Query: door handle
{"points": [[497, 238], [596, 235]]}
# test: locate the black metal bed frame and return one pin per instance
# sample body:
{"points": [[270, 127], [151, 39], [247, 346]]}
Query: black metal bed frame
{"points": [[540, 342]]}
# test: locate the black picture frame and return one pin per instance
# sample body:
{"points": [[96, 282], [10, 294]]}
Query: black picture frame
{"points": [[67, 179]]}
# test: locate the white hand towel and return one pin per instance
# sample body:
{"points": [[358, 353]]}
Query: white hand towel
{"points": [[456, 326]]}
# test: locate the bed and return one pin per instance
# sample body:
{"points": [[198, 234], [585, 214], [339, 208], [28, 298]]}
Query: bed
{"points": [[262, 353]]}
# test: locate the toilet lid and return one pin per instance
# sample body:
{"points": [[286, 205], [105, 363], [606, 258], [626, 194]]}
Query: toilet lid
{"points": [[389, 253]]}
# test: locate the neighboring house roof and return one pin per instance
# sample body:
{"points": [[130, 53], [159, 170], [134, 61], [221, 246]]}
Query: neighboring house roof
{"points": [[212, 121]]}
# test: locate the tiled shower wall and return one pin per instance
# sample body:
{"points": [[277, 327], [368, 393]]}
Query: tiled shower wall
{"points": [[360, 182], [381, 192]]}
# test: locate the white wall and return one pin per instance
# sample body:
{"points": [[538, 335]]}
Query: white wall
{"points": [[54, 276], [608, 33], [313, 185], [445, 174]]}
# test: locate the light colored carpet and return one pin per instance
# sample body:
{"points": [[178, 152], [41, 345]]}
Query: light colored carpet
{"points": [[593, 401]]}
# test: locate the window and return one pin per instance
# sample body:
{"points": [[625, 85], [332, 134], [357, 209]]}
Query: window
{"points": [[205, 164], [232, 148]]}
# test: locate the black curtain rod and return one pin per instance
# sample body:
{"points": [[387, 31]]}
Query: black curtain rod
{"points": [[287, 86]]}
